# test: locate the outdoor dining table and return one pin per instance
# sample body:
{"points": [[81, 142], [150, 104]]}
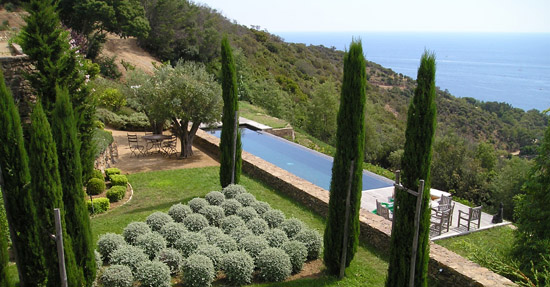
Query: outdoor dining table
{"points": [[156, 141]]}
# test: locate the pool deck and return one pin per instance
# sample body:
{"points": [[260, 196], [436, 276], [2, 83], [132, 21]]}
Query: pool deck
{"points": [[242, 121]]}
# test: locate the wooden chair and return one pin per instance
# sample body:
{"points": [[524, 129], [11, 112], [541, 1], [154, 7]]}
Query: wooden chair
{"points": [[169, 147], [473, 215], [445, 201], [441, 220], [134, 145], [382, 210]]}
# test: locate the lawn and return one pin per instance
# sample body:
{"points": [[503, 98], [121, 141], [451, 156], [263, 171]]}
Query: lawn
{"points": [[259, 115], [157, 191]]}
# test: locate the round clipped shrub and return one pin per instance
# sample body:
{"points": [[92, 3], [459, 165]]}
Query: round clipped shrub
{"points": [[130, 256], [231, 222], [246, 213], [153, 274], [291, 227], [195, 222], [239, 233], [189, 242], [210, 233], [111, 171], [211, 251], [96, 173], [233, 190], [151, 243], [215, 198], [172, 232], [230, 206], [274, 265], [119, 180], [261, 207], [116, 193], [257, 225], [117, 276], [98, 260], [213, 213], [297, 252], [95, 186], [275, 237], [133, 230], [238, 267], [198, 271], [246, 199], [313, 242], [172, 258], [273, 217], [225, 242], [157, 220], [253, 245], [197, 204], [107, 244], [178, 212]]}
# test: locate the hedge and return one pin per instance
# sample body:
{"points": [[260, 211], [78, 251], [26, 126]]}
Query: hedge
{"points": [[101, 204], [116, 193]]}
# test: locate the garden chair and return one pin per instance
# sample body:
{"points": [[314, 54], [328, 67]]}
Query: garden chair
{"points": [[445, 201], [169, 147], [382, 210], [473, 215], [441, 220], [134, 145]]}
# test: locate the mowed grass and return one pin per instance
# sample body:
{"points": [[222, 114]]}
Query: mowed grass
{"points": [[157, 191], [259, 115]]}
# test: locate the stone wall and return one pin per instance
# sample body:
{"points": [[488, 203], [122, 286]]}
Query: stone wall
{"points": [[446, 267], [108, 157], [287, 133], [14, 68]]}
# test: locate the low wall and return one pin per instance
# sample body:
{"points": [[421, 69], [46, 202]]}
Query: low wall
{"points": [[282, 132], [445, 266], [107, 157]]}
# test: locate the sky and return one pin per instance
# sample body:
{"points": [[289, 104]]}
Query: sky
{"points": [[513, 16]]}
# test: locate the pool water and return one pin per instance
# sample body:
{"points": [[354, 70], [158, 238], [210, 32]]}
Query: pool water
{"points": [[305, 163]]}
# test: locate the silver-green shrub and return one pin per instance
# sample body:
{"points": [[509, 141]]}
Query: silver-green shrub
{"points": [[273, 217], [153, 274], [257, 225], [275, 237], [157, 220], [130, 256], [261, 207], [195, 222], [98, 260], [274, 265], [172, 258], [213, 213], [215, 198], [198, 271], [253, 245], [233, 190], [238, 267], [210, 233], [246, 199], [246, 213], [292, 227], [297, 252], [151, 243], [230, 206], [313, 242], [117, 276], [133, 230], [172, 232], [107, 244], [225, 242], [179, 211], [211, 251], [239, 233], [189, 242], [197, 204], [231, 222]]}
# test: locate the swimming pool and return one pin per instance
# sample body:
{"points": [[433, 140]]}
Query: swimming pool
{"points": [[305, 163]]}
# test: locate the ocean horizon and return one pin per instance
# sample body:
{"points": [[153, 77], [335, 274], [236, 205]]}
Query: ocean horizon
{"points": [[504, 67]]}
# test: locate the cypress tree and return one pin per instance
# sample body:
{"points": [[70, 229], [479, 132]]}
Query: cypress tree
{"points": [[19, 205], [4, 257], [76, 212], [349, 147], [230, 106], [47, 195], [415, 164]]}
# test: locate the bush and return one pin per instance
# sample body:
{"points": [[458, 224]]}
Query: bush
{"points": [[198, 271], [292, 227], [108, 67], [275, 237], [213, 213], [172, 258], [117, 276], [197, 204], [107, 244], [211, 251], [274, 265], [313, 242], [246, 213], [273, 217], [98, 260], [257, 225], [230, 206], [215, 198], [261, 207], [110, 119], [96, 173], [189, 242], [130, 256], [119, 180], [100, 205], [238, 267], [233, 190], [225, 242], [95, 186], [10, 7], [116, 193], [172, 232], [297, 252], [111, 171], [151, 243], [101, 140], [253, 245], [239, 233], [179, 211], [153, 274], [246, 199], [157, 220], [136, 122], [112, 99], [195, 222], [231, 222], [133, 230], [210, 233]]}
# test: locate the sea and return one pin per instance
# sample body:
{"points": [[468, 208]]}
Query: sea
{"points": [[502, 67]]}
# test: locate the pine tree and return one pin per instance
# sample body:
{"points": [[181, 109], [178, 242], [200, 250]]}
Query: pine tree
{"points": [[230, 106], [20, 207], [415, 164], [76, 212], [349, 147], [47, 195]]}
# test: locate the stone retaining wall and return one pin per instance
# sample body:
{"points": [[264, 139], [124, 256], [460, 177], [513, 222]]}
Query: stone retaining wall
{"points": [[287, 133], [107, 157], [446, 267], [14, 69]]}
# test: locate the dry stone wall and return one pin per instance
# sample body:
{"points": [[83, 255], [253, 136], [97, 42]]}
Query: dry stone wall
{"points": [[15, 68]]}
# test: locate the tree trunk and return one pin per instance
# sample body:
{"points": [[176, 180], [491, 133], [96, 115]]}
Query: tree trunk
{"points": [[186, 137]]}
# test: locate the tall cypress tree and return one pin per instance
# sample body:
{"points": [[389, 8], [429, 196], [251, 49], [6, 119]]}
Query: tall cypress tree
{"points": [[230, 106], [47, 195], [20, 207], [76, 212], [4, 257], [349, 147], [415, 164]]}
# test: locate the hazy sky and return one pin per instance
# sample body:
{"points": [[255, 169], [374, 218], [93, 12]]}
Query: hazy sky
{"points": [[389, 15]]}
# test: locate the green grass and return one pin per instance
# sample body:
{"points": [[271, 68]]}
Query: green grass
{"points": [[258, 114], [497, 240], [157, 191]]}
